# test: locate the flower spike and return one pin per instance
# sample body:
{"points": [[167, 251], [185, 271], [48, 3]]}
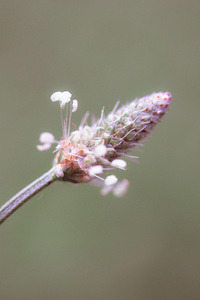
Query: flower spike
{"points": [[92, 150]]}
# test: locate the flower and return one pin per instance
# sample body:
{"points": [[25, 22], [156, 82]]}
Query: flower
{"points": [[92, 150]]}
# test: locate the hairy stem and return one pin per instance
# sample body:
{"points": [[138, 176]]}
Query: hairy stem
{"points": [[25, 194]]}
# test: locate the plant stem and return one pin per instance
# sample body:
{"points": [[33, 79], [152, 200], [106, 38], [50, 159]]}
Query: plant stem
{"points": [[25, 194]]}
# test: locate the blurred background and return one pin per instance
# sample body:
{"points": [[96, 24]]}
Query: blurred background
{"points": [[69, 242]]}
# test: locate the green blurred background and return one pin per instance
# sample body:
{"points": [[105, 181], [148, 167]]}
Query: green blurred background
{"points": [[69, 242]]}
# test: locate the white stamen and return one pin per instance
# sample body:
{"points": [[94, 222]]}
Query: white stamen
{"points": [[100, 150], [62, 97], [111, 179], [74, 105], [56, 96], [121, 188], [65, 98], [95, 170], [44, 147], [119, 163], [46, 137]]}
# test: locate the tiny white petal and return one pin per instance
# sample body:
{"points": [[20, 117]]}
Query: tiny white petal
{"points": [[46, 137], [121, 188], [95, 170], [58, 171], [44, 147], [100, 150], [111, 179], [74, 105], [119, 163], [56, 96]]}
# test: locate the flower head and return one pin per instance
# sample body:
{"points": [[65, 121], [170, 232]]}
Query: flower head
{"points": [[92, 150]]}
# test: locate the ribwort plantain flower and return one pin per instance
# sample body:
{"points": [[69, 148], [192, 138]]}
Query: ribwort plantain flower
{"points": [[85, 154], [82, 155]]}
